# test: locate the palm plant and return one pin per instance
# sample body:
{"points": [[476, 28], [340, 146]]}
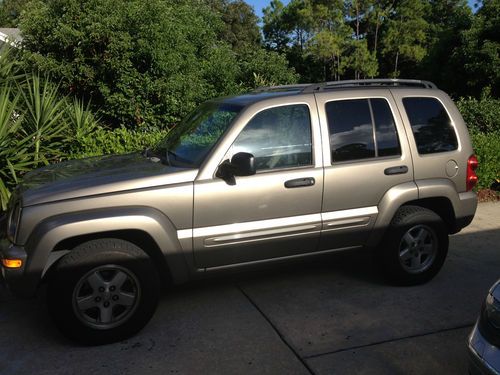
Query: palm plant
{"points": [[14, 145], [9, 69], [44, 118], [82, 120]]}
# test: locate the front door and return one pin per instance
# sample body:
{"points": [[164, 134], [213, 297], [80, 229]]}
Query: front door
{"points": [[274, 213]]}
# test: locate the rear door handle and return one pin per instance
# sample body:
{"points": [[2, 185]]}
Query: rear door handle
{"points": [[299, 182], [401, 169]]}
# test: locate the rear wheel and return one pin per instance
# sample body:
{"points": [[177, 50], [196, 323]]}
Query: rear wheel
{"points": [[103, 291], [415, 246]]}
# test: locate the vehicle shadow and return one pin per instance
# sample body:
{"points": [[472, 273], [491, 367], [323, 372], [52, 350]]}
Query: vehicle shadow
{"points": [[31, 317]]}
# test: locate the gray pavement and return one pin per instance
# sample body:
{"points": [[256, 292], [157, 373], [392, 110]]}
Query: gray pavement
{"points": [[330, 316]]}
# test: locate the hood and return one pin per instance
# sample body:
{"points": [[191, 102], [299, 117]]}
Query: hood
{"points": [[98, 175]]}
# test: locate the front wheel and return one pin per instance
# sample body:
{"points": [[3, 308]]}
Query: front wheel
{"points": [[103, 291], [415, 246]]}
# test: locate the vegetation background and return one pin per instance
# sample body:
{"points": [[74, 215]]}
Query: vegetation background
{"points": [[110, 76]]}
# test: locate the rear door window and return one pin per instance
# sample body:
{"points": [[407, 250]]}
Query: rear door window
{"points": [[361, 129], [431, 125]]}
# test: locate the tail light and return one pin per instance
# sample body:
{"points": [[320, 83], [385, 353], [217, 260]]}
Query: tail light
{"points": [[472, 179]]}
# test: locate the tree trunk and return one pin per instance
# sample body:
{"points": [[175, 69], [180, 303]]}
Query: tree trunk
{"points": [[357, 20], [377, 26], [396, 65]]}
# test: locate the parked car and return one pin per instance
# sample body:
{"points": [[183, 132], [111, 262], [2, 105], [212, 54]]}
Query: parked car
{"points": [[280, 173], [484, 341]]}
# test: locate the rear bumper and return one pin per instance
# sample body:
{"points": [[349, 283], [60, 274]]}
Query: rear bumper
{"points": [[18, 280], [465, 210], [462, 222]]}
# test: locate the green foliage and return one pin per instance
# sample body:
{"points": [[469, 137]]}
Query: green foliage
{"points": [[44, 118], [240, 28], [10, 10], [487, 147], [361, 60], [406, 33], [481, 115], [13, 145], [104, 141], [9, 67], [144, 63], [483, 120], [276, 35], [330, 36], [480, 51], [33, 127], [447, 19], [82, 121], [268, 65]]}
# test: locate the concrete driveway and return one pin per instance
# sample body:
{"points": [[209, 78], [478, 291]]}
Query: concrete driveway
{"points": [[331, 316]]}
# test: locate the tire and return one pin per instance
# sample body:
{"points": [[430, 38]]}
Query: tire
{"points": [[414, 247], [103, 291]]}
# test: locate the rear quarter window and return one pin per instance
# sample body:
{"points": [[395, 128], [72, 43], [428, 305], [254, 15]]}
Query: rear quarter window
{"points": [[431, 125]]}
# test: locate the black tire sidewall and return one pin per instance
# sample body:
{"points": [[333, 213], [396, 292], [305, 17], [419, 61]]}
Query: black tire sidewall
{"points": [[404, 220], [81, 261]]}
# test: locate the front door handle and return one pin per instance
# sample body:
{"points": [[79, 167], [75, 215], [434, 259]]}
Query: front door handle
{"points": [[401, 169], [299, 182]]}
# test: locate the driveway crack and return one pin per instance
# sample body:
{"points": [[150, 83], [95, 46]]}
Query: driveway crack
{"points": [[467, 325], [273, 326]]}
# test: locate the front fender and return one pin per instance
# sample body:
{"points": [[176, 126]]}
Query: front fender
{"points": [[55, 229]]}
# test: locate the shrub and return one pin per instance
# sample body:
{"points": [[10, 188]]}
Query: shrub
{"points": [[118, 141], [143, 63], [480, 115], [487, 149]]}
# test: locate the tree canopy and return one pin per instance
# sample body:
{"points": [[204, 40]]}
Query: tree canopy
{"points": [[437, 40], [147, 64]]}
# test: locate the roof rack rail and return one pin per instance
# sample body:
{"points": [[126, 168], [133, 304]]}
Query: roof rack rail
{"points": [[377, 82], [380, 82], [297, 87]]}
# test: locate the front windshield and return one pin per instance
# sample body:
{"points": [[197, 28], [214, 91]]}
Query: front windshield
{"points": [[190, 141]]}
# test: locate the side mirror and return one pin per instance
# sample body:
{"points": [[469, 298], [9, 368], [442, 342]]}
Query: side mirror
{"points": [[241, 164]]}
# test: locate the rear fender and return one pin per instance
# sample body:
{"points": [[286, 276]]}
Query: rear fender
{"points": [[387, 207]]}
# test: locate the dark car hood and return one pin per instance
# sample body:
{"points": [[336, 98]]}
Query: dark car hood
{"points": [[92, 176]]}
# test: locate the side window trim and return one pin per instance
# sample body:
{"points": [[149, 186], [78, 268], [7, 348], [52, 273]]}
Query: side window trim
{"points": [[374, 131]]}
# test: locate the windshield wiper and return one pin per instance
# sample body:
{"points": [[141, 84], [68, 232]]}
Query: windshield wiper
{"points": [[155, 157], [169, 152], [163, 154]]}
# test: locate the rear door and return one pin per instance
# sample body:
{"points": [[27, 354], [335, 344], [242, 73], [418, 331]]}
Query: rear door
{"points": [[366, 153]]}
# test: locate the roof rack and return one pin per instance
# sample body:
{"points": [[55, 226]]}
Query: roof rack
{"points": [[299, 87], [382, 82], [315, 87]]}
